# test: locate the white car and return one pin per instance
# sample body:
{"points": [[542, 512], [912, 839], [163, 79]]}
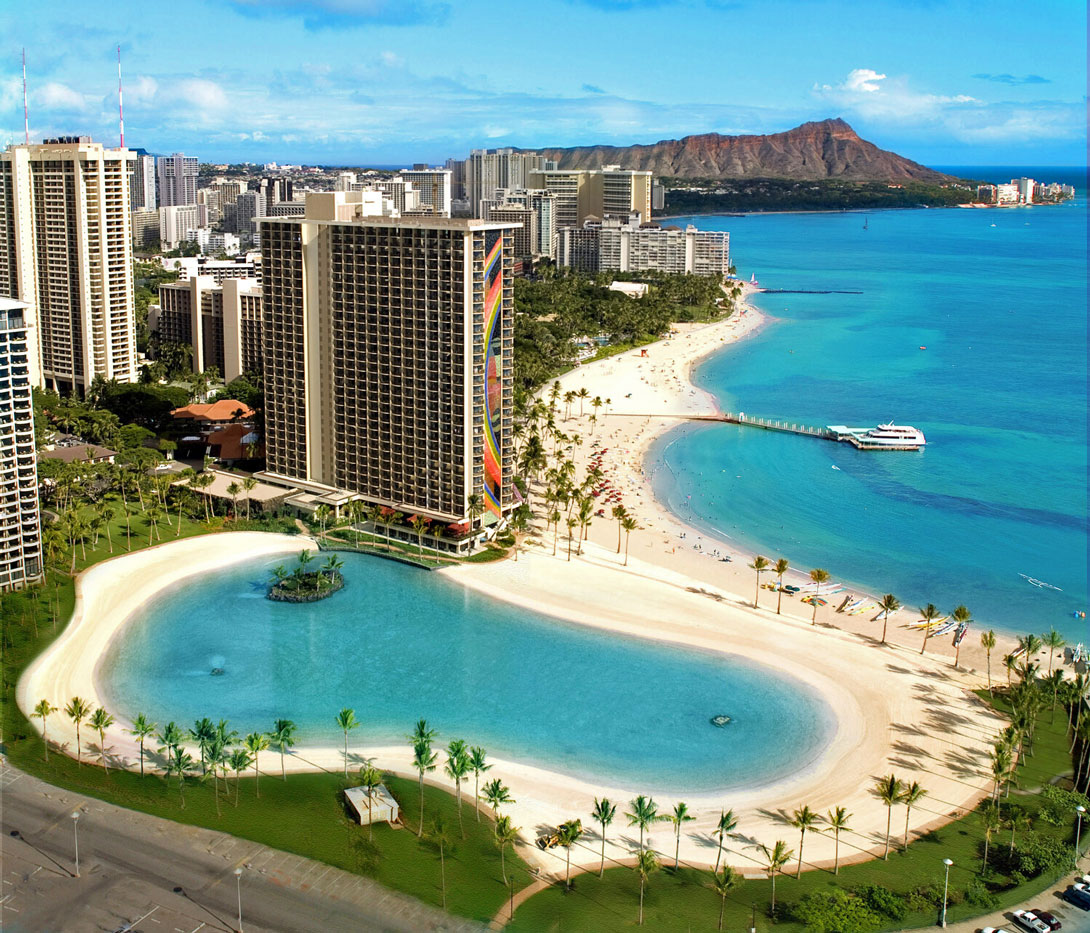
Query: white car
{"points": [[993, 930], [1028, 920]]}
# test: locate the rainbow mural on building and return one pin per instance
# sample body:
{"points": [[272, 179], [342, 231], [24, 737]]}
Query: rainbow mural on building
{"points": [[493, 289]]}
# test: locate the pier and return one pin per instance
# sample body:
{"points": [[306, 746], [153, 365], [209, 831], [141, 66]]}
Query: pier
{"points": [[833, 432]]}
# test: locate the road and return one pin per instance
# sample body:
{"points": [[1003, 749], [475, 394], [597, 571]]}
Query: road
{"points": [[163, 877]]}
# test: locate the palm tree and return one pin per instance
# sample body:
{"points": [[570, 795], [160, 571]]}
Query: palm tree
{"points": [[332, 564], [474, 510], [775, 859], [838, 823], [1018, 820], [100, 721], [238, 762], [644, 812], [496, 792], [1030, 645], [962, 616], [647, 863], [1010, 662], [992, 825], [283, 737], [819, 576], [477, 764], [203, 732], [728, 822], [77, 710], [457, 769], [629, 524], [760, 564], [346, 720], [423, 760], [179, 763], [582, 394], [722, 884], [987, 642], [170, 738], [506, 834], [889, 603], [678, 817], [568, 835], [780, 567], [249, 484], [1054, 641], [41, 711], [323, 514], [888, 790], [256, 742], [371, 778], [234, 490], [803, 820], [439, 835], [420, 525], [910, 796], [603, 814]]}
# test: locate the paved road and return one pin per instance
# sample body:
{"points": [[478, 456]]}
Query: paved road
{"points": [[163, 877]]}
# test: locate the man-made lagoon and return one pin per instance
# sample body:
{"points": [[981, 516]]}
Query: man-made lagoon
{"points": [[397, 644]]}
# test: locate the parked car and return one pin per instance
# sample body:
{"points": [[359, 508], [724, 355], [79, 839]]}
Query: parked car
{"points": [[1028, 921], [1053, 923], [993, 930], [1079, 895]]}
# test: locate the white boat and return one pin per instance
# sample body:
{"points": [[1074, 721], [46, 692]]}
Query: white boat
{"points": [[894, 435]]}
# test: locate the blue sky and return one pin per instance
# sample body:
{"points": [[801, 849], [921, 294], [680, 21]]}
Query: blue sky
{"points": [[962, 82]]}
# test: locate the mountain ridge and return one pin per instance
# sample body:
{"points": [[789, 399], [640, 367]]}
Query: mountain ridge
{"points": [[814, 151]]}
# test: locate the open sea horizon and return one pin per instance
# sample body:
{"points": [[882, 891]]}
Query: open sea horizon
{"points": [[970, 324]]}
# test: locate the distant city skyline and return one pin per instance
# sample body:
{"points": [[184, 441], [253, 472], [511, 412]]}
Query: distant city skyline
{"points": [[358, 82]]}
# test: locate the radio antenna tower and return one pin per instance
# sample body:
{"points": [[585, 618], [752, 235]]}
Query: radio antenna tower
{"points": [[26, 113], [120, 107]]}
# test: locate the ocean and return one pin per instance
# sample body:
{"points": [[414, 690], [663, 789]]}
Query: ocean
{"points": [[970, 324]]}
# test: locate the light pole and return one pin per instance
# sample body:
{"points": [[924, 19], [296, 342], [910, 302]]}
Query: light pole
{"points": [[238, 886], [945, 889], [1079, 811], [75, 832]]}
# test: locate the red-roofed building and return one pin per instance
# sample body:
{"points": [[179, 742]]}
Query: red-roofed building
{"points": [[224, 412]]}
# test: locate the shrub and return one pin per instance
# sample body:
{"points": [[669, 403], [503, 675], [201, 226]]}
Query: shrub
{"points": [[1035, 854], [978, 895], [835, 912], [883, 901], [1060, 804]]}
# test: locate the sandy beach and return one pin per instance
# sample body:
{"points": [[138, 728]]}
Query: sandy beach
{"points": [[897, 711]]}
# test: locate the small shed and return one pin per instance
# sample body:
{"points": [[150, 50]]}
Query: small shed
{"points": [[383, 807]]}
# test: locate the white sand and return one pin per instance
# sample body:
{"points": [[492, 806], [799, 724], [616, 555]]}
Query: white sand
{"points": [[896, 712]]}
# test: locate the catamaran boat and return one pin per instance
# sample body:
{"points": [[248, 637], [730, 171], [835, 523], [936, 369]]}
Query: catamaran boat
{"points": [[894, 435]]}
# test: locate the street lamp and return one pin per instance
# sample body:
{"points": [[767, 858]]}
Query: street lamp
{"points": [[945, 889], [1079, 811], [753, 918], [238, 886], [75, 832]]}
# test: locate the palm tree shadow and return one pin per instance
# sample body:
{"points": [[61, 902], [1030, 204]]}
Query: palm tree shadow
{"points": [[777, 816]]}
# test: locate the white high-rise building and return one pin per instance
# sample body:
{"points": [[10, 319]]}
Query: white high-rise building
{"points": [[177, 179], [629, 246], [66, 249], [433, 188], [175, 221], [20, 527], [142, 185], [486, 170]]}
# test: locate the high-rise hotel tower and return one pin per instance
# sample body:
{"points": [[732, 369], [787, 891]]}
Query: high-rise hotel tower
{"points": [[66, 249], [388, 356], [20, 528]]}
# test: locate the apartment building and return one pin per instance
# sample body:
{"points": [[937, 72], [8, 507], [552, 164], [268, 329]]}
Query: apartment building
{"points": [[20, 525], [609, 191], [220, 322], [175, 221], [142, 184], [145, 227], [433, 188], [629, 246], [66, 249], [388, 357], [489, 169], [177, 179], [524, 240]]}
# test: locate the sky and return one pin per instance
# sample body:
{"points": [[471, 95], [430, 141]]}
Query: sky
{"points": [[376, 82]]}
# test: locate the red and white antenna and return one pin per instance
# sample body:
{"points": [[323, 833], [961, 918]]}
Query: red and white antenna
{"points": [[120, 107], [26, 113]]}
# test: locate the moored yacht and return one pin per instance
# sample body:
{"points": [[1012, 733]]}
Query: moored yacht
{"points": [[894, 435]]}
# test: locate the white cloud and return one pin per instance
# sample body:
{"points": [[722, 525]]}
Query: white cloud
{"points": [[56, 96], [390, 59], [141, 90], [200, 93], [863, 79]]}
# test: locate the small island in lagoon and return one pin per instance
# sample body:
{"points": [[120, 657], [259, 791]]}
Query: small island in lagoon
{"points": [[306, 586]]}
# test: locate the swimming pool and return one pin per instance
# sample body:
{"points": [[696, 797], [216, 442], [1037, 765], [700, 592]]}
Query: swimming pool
{"points": [[397, 644]]}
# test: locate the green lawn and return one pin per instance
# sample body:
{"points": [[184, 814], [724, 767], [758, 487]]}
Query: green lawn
{"points": [[683, 902]]}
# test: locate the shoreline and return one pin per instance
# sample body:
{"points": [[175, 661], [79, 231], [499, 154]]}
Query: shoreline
{"points": [[871, 695]]}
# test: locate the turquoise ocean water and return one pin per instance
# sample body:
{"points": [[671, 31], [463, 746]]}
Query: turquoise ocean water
{"points": [[999, 300], [398, 644]]}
